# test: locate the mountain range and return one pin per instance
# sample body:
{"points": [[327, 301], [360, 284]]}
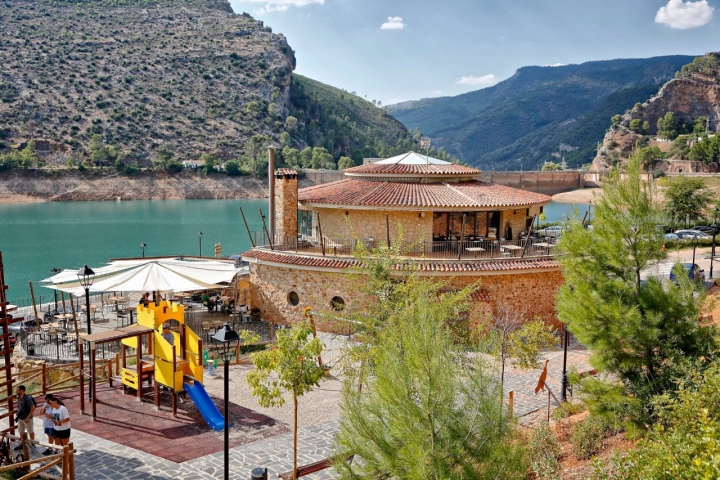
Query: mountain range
{"points": [[540, 113]]}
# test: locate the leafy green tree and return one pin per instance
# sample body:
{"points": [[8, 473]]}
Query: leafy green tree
{"points": [[667, 126], [289, 366], [648, 155], [616, 119], [700, 125], [101, 154], [210, 162], [285, 138], [640, 332], [550, 166], [291, 156], [163, 157], [291, 122], [232, 168], [306, 157], [255, 158], [429, 411], [687, 199], [321, 158], [345, 162], [636, 125]]}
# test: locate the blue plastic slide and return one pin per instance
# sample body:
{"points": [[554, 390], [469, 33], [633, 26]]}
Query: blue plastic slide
{"points": [[205, 405]]}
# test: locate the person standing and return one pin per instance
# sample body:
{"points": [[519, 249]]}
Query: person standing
{"points": [[508, 232], [48, 424], [61, 421], [26, 408]]}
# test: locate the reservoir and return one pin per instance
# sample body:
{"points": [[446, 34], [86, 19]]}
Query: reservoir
{"points": [[35, 237]]}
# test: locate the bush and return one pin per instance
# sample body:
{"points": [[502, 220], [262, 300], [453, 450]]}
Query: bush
{"points": [[568, 409], [588, 437], [544, 451], [232, 168], [658, 174]]}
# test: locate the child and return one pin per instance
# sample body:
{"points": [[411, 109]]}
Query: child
{"points": [[61, 419], [48, 424]]}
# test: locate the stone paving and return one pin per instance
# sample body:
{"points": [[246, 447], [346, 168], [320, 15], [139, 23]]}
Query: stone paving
{"points": [[102, 458]]}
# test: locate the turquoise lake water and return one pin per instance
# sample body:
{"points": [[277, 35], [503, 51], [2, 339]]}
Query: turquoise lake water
{"points": [[34, 237]]}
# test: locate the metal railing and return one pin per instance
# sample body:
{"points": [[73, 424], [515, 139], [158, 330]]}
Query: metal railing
{"points": [[470, 248]]}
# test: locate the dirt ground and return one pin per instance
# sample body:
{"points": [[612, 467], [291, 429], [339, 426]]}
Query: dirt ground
{"points": [[585, 195]]}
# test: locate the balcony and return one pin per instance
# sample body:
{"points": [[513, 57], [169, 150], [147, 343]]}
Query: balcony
{"points": [[472, 248]]}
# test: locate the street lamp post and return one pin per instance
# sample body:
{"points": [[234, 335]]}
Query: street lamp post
{"points": [[712, 252], [695, 242], [143, 247], [86, 277], [199, 235], [228, 340]]}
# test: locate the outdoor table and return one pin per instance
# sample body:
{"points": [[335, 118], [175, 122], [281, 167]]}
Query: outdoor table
{"points": [[181, 297], [10, 307], [117, 301], [544, 245], [512, 249], [475, 250], [129, 310]]}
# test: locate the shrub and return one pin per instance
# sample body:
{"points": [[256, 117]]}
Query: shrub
{"points": [[588, 437], [568, 409], [544, 451], [232, 168], [658, 173]]}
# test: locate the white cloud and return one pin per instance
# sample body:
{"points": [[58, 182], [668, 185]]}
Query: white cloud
{"points": [[393, 23], [282, 5], [556, 65], [488, 79], [681, 15]]}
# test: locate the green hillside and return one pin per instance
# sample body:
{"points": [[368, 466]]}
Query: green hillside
{"points": [[540, 113]]}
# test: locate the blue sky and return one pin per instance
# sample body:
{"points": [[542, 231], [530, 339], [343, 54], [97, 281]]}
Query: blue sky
{"points": [[395, 50]]}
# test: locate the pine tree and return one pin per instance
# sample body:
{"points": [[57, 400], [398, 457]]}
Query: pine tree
{"points": [[641, 333]]}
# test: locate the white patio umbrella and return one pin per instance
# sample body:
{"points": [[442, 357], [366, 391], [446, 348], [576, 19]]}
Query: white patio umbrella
{"points": [[165, 274]]}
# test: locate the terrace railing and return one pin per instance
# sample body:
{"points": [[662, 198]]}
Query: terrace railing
{"points": [[472, 248]]}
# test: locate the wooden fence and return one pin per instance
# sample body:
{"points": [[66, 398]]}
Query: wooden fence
{"points": [[64, 457]]}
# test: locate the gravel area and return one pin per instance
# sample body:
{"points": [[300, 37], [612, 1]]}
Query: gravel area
{"points": [[317, 406]]}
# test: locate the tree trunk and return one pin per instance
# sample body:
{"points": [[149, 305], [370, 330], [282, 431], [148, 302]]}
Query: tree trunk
{"points": [[295, 471]]}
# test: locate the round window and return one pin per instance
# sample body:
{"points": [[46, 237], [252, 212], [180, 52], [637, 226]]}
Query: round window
{"points": [[293, 298], [337, 303]]}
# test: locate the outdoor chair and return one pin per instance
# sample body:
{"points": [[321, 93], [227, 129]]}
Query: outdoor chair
{"points": [[244, 313]]}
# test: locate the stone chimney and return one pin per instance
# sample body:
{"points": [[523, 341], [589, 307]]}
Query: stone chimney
{"points": [[286, 204]]}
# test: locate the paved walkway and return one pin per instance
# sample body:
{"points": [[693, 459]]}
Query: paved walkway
{"points": [[99, 458]]}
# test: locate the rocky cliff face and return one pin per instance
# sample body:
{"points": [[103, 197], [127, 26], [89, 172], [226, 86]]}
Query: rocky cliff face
{"points": [[694, 93], [190, 75]]}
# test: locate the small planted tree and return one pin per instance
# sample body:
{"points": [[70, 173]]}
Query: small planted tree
{"points": [[511, 337], [290, 366]]}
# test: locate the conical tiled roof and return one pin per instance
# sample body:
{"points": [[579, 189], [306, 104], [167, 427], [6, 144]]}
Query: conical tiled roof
{"points": [[412, 164]]}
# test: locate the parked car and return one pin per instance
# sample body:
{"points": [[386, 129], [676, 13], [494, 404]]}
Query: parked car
{"points": [[689, 233], [671, 236], [693, 271], [705, 229]]}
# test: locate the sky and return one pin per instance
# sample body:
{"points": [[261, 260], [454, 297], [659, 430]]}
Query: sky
{"points": [[397, 50]]}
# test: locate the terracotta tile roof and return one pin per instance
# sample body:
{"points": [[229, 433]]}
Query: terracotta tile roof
{"points": [[286, 171], [421, 265], [469, 194], [481, 296], [404, 169]]}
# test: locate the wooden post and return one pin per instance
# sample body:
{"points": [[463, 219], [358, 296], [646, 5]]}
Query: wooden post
{"points": [[71, 470], [270, 240], [32, 296], [93, 380], [62, 297], [511, 402], [74, 314], [237, 354], [110, 371], [44, 378], [82, 377], [322, 239], [174, 395], [156, 395], [387, 228], [65, 462], [252, 242], [26, 452], [138, 366]]}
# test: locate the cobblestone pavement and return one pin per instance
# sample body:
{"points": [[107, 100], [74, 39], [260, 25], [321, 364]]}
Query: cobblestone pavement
{"points": [[101, 459]]}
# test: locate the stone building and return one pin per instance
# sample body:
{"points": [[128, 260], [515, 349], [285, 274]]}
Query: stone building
{"points": [[453, 227]]}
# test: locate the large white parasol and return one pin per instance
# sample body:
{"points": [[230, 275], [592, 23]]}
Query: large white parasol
{"points": [[163, 274]]}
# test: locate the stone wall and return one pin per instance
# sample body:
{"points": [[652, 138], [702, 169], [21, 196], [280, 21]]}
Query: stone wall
{"points": [[271, 287], [372, 224]]}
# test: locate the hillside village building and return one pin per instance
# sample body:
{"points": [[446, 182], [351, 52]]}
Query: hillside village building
{"points": [[451, 225]]}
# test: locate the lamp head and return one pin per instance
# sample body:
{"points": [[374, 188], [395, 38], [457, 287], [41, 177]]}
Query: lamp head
{"points": [[199, 234], [143, 245], [55, 270], [86, 275], [228, 340]]}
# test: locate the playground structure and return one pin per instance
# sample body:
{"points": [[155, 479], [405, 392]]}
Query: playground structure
{"points": [[178, 367]]}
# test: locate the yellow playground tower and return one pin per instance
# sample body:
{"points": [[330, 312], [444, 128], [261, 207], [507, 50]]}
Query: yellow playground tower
{"points": [[178, 367]]}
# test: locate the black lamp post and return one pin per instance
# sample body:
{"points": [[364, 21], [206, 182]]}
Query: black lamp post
{"points": [[695, 242], [199, 234], [228, 340], [55, 271], [142, 247], [86, 277], [712, 252]]}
